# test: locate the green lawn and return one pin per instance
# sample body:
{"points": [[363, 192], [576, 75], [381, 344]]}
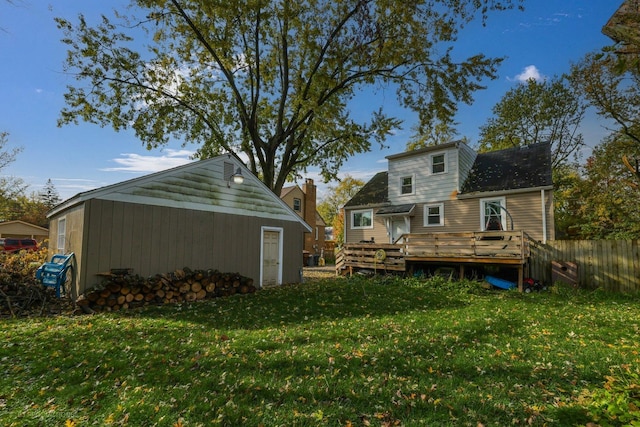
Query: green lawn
{"points": [[341, 352]]}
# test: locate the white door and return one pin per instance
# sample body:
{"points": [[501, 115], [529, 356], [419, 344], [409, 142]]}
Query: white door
{"points": [[398, 228], [270, 257], [493, 214]]}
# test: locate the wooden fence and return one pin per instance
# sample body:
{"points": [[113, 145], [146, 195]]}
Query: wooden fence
{"points": [[613, 265], [384, 257]]}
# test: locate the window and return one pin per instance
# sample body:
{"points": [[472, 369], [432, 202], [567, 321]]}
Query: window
{"points": [[62, 231], [362, 219], [434, 215], [297, 205], [438, 163], [492, 214], [406, 185]]}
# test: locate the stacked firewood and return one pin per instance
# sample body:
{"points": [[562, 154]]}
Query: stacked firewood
{"points": [[122, 291]]}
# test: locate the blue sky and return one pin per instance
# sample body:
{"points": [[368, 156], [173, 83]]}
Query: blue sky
{"points": [[540, 42]]}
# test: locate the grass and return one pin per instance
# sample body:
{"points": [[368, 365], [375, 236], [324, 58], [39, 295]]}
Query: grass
{"points": [[340, 352]]}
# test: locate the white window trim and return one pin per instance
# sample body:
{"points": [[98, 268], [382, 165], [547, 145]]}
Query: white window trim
{"points": [[446, 165], [503, 213], [426, 214], [61, 238], [413, 185], [353, 227]]}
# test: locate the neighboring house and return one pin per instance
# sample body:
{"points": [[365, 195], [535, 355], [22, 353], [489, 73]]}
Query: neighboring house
{"points": [[21, 229], [303, 202], [192, 216], [452, 188]]}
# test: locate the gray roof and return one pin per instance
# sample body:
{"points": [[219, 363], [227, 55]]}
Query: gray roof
{"points": [[200, 185], [511, 169], [397, 210], [374, 192]]}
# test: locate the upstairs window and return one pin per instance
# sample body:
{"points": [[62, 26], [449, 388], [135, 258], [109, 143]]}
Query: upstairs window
{"points": [[438, 163], [297, 205], [406, 185]]}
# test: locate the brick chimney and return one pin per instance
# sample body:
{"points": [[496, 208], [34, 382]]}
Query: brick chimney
{"points": [[309, 190]]}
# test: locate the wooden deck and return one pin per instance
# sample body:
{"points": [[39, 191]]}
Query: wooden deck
{"points": [[506, 248]]}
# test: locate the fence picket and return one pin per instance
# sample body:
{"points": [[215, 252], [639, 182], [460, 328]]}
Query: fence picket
{"points": [[613, 265]]}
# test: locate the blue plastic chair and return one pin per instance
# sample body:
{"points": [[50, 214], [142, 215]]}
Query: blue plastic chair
{"points": [[59, 273]]}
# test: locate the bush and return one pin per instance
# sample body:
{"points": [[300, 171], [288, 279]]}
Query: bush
{"points": [[618, 402], [20, 268]]}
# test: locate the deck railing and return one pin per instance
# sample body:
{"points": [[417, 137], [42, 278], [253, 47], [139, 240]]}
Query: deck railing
{"points": [[374, 256], [474, 244], [500, 247]]}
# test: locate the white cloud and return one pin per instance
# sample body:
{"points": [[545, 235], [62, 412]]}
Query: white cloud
{"points": [[529, 72], [137, 163]]}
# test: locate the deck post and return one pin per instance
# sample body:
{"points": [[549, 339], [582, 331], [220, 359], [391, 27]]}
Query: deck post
{"points": [[521, 278]]}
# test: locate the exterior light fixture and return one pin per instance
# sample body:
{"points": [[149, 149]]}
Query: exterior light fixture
{"points": [[237, 178]]}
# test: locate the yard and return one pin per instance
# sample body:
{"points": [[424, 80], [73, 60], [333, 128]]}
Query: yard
{"points": [[332, 351]]}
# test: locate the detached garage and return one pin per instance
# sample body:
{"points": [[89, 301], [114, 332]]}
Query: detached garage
{"points": [[208, 214]]}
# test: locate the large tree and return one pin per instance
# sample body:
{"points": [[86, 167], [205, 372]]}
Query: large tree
{"points": [[10, 187], [534, 112], [623, 29], [331, 206], [272, 80], [338, 196], [606, 198], [614, 92]]}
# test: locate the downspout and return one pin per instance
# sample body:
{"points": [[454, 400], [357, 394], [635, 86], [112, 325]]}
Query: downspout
{"points": [[544, 217], [344, 226]]}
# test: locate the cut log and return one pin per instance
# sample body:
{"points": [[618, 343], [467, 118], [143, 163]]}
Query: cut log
{"points": [[128, 291], [93, 296]]}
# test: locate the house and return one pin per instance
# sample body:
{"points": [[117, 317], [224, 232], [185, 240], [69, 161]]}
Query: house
{"points": [[21, 229], [451, 188], [303, 202], [211, 213]]}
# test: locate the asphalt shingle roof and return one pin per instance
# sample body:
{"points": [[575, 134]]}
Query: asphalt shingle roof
{"points": [[511, 169], [374, 192]]}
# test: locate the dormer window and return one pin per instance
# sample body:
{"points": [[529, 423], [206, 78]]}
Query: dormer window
{"points": [[438, 163], [406, 185]]}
